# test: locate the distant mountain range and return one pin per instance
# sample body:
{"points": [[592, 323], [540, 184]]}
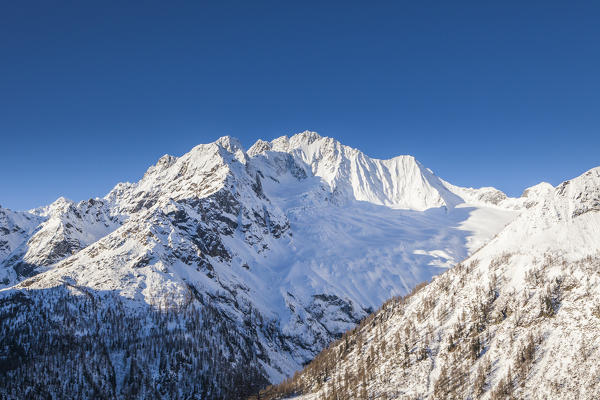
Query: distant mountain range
{"points": [[235, 268]]}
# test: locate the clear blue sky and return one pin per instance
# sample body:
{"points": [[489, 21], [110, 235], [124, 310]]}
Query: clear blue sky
{"points": [[483, 93]]}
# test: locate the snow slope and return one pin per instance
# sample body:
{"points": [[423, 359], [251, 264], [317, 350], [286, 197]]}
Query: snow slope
{"points": [[401, 182], [520, 318]]}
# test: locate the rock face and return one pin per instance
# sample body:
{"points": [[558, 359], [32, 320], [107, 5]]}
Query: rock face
{"points": [[520, 318], [285, 246], [15, 228], [54, 233]]}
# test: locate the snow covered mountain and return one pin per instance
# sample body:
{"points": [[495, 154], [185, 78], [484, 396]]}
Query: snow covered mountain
{"points": [[51, 233], [288, 245], [401, 182], [517, 319], [15, 227]]}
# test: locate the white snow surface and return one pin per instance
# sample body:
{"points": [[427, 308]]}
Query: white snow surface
{"points": [[311, 233], [400, 183], [538, 278]]}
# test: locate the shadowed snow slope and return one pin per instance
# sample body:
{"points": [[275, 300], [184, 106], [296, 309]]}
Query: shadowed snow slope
{"points": [[303, 232], [520, 318]]}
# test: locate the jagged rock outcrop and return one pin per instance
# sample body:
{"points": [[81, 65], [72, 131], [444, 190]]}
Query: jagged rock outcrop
{"points": [[54, 233]]}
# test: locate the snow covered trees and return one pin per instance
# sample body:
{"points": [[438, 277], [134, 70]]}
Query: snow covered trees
{"points": [[54, 344]]}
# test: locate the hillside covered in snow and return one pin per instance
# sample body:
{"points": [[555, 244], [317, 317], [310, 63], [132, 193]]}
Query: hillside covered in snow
{"points": [[255, 259], [520, 318]]}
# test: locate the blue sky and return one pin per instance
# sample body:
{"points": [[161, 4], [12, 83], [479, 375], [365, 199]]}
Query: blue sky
{"points": [[92, 93]]}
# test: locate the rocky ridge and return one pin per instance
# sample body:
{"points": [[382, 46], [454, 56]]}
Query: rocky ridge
{"points": [[272, 240]]}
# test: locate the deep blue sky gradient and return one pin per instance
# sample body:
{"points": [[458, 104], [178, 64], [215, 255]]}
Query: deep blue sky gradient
{"points": [[483, 93]]}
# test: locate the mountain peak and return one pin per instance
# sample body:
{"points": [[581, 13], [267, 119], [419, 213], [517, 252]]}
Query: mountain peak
{"points": [[401, 182], [306, 137], [539, 190], [61, 201], [60, 204], [259, 147], [230, 144], [298, 140], [581, 194]]}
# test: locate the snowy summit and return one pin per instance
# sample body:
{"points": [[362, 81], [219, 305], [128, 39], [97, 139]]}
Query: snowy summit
{"points": [[273, 253]]}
